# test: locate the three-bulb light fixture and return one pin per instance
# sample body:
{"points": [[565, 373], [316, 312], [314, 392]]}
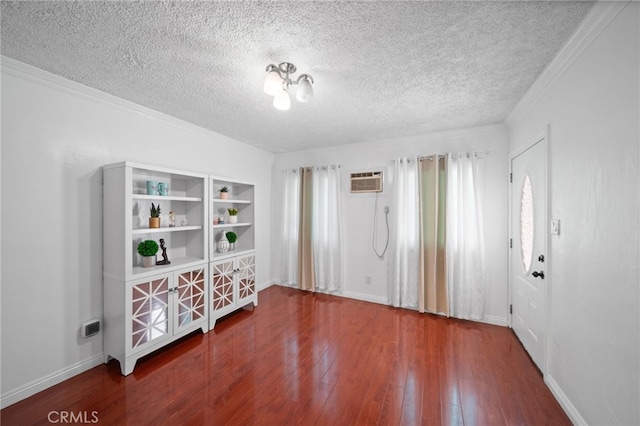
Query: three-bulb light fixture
{"points": [[278, 82]]}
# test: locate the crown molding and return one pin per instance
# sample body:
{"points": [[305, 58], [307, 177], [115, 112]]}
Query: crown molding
{"points": [[596, 21], [44, 78], [404, 141], [436, 135]]}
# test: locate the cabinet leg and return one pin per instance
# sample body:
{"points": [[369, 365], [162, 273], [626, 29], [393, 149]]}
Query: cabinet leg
{"points": [[127, 367]]}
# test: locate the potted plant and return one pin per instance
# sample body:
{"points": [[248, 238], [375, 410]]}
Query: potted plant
{"points": [[148, 249], [224, 192], [232, 237], [233, 215], [154, 220]]}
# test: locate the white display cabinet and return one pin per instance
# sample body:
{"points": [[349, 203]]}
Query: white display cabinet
{"points": [[232, 273], [127, 203]]}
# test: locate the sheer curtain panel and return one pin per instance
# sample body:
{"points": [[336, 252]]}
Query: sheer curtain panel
{"points": [[405, 236], [289, 228], [306, 274], [432, 288], [327, 229], [465, 237]]}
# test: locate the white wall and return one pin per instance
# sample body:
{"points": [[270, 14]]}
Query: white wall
{"points": [[592, 110], [56, 135], [360, 259]]}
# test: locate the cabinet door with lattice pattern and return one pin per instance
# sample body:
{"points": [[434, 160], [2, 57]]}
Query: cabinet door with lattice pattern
{"points": [[246, 277], [190, 292], [150, 312], [222, 292]]}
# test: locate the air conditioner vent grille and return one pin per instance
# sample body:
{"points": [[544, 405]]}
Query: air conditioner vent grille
{"points": [[366, 182]]}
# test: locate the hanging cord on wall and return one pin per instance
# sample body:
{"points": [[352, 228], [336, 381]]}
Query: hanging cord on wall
{"points": [[375, 229]]}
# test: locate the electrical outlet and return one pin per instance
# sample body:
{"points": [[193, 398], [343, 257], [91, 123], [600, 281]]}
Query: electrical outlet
{"points": [[386, 209], [367, 279]]}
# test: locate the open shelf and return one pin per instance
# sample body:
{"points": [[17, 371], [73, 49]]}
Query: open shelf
{"points": [[127, 210], [167, 229], [165, 197], [241, 197], [230, 225], [234, 253], [231, 201], [180, 262]]}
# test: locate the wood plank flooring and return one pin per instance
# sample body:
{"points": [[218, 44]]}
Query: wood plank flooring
{"points": [[307, 359]]}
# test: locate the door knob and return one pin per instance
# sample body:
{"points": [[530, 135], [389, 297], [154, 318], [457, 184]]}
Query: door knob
{"points": [[538, 274]]}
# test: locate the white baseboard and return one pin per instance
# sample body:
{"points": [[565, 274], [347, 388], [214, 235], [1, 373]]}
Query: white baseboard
{"points": [[349, 294], [364, 297], [265, 285], [38, 385], [564, 401], [494, 320], [488, 319]]}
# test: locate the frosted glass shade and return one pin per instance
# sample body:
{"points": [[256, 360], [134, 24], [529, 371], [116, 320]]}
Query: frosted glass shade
{"points": [[281, 101], [305, 91], [272, 83]]}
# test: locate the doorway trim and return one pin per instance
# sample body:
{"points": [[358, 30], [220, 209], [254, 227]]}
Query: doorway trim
{"points": [[542, 136]]}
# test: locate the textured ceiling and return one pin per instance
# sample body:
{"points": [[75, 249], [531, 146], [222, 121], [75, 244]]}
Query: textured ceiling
{"points": [[382, 69]]}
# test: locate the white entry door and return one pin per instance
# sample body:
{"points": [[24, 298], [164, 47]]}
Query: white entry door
{"points": [[529, 274]]}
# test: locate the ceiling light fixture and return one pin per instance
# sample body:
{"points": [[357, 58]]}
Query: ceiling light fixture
{"points": [[278, 82]]}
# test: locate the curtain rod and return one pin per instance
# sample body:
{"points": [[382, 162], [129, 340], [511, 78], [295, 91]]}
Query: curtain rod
{"points": [[333, 167], [468, 154], [430, 157]]}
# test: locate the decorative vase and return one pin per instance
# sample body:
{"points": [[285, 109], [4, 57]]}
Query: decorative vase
{"points": [[223, 244], [163, 188], [232, 246], [233, 219], [152, 187], [154, 222], [224, 195], [148, 261]]}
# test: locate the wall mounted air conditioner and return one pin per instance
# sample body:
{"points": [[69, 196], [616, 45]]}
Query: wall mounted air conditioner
{"points": [[366, 182]]}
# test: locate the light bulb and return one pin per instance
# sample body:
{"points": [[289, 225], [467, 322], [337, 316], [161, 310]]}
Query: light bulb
{"points": [[272, 83], [305, 91], [281, 100]]}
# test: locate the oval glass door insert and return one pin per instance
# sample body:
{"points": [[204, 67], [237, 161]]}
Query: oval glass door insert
{"points": [[526, 224]]}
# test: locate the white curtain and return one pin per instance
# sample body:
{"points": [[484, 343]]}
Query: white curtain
{"points": [[327, 229], [404, 249], [290, 228], [465, 237]]}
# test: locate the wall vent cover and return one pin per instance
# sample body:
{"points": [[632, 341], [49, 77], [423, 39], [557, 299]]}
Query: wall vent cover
{"points": [[91, 328], [366, 182]]}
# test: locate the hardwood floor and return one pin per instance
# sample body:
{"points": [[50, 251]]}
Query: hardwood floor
{"points": [[300, 358]]}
